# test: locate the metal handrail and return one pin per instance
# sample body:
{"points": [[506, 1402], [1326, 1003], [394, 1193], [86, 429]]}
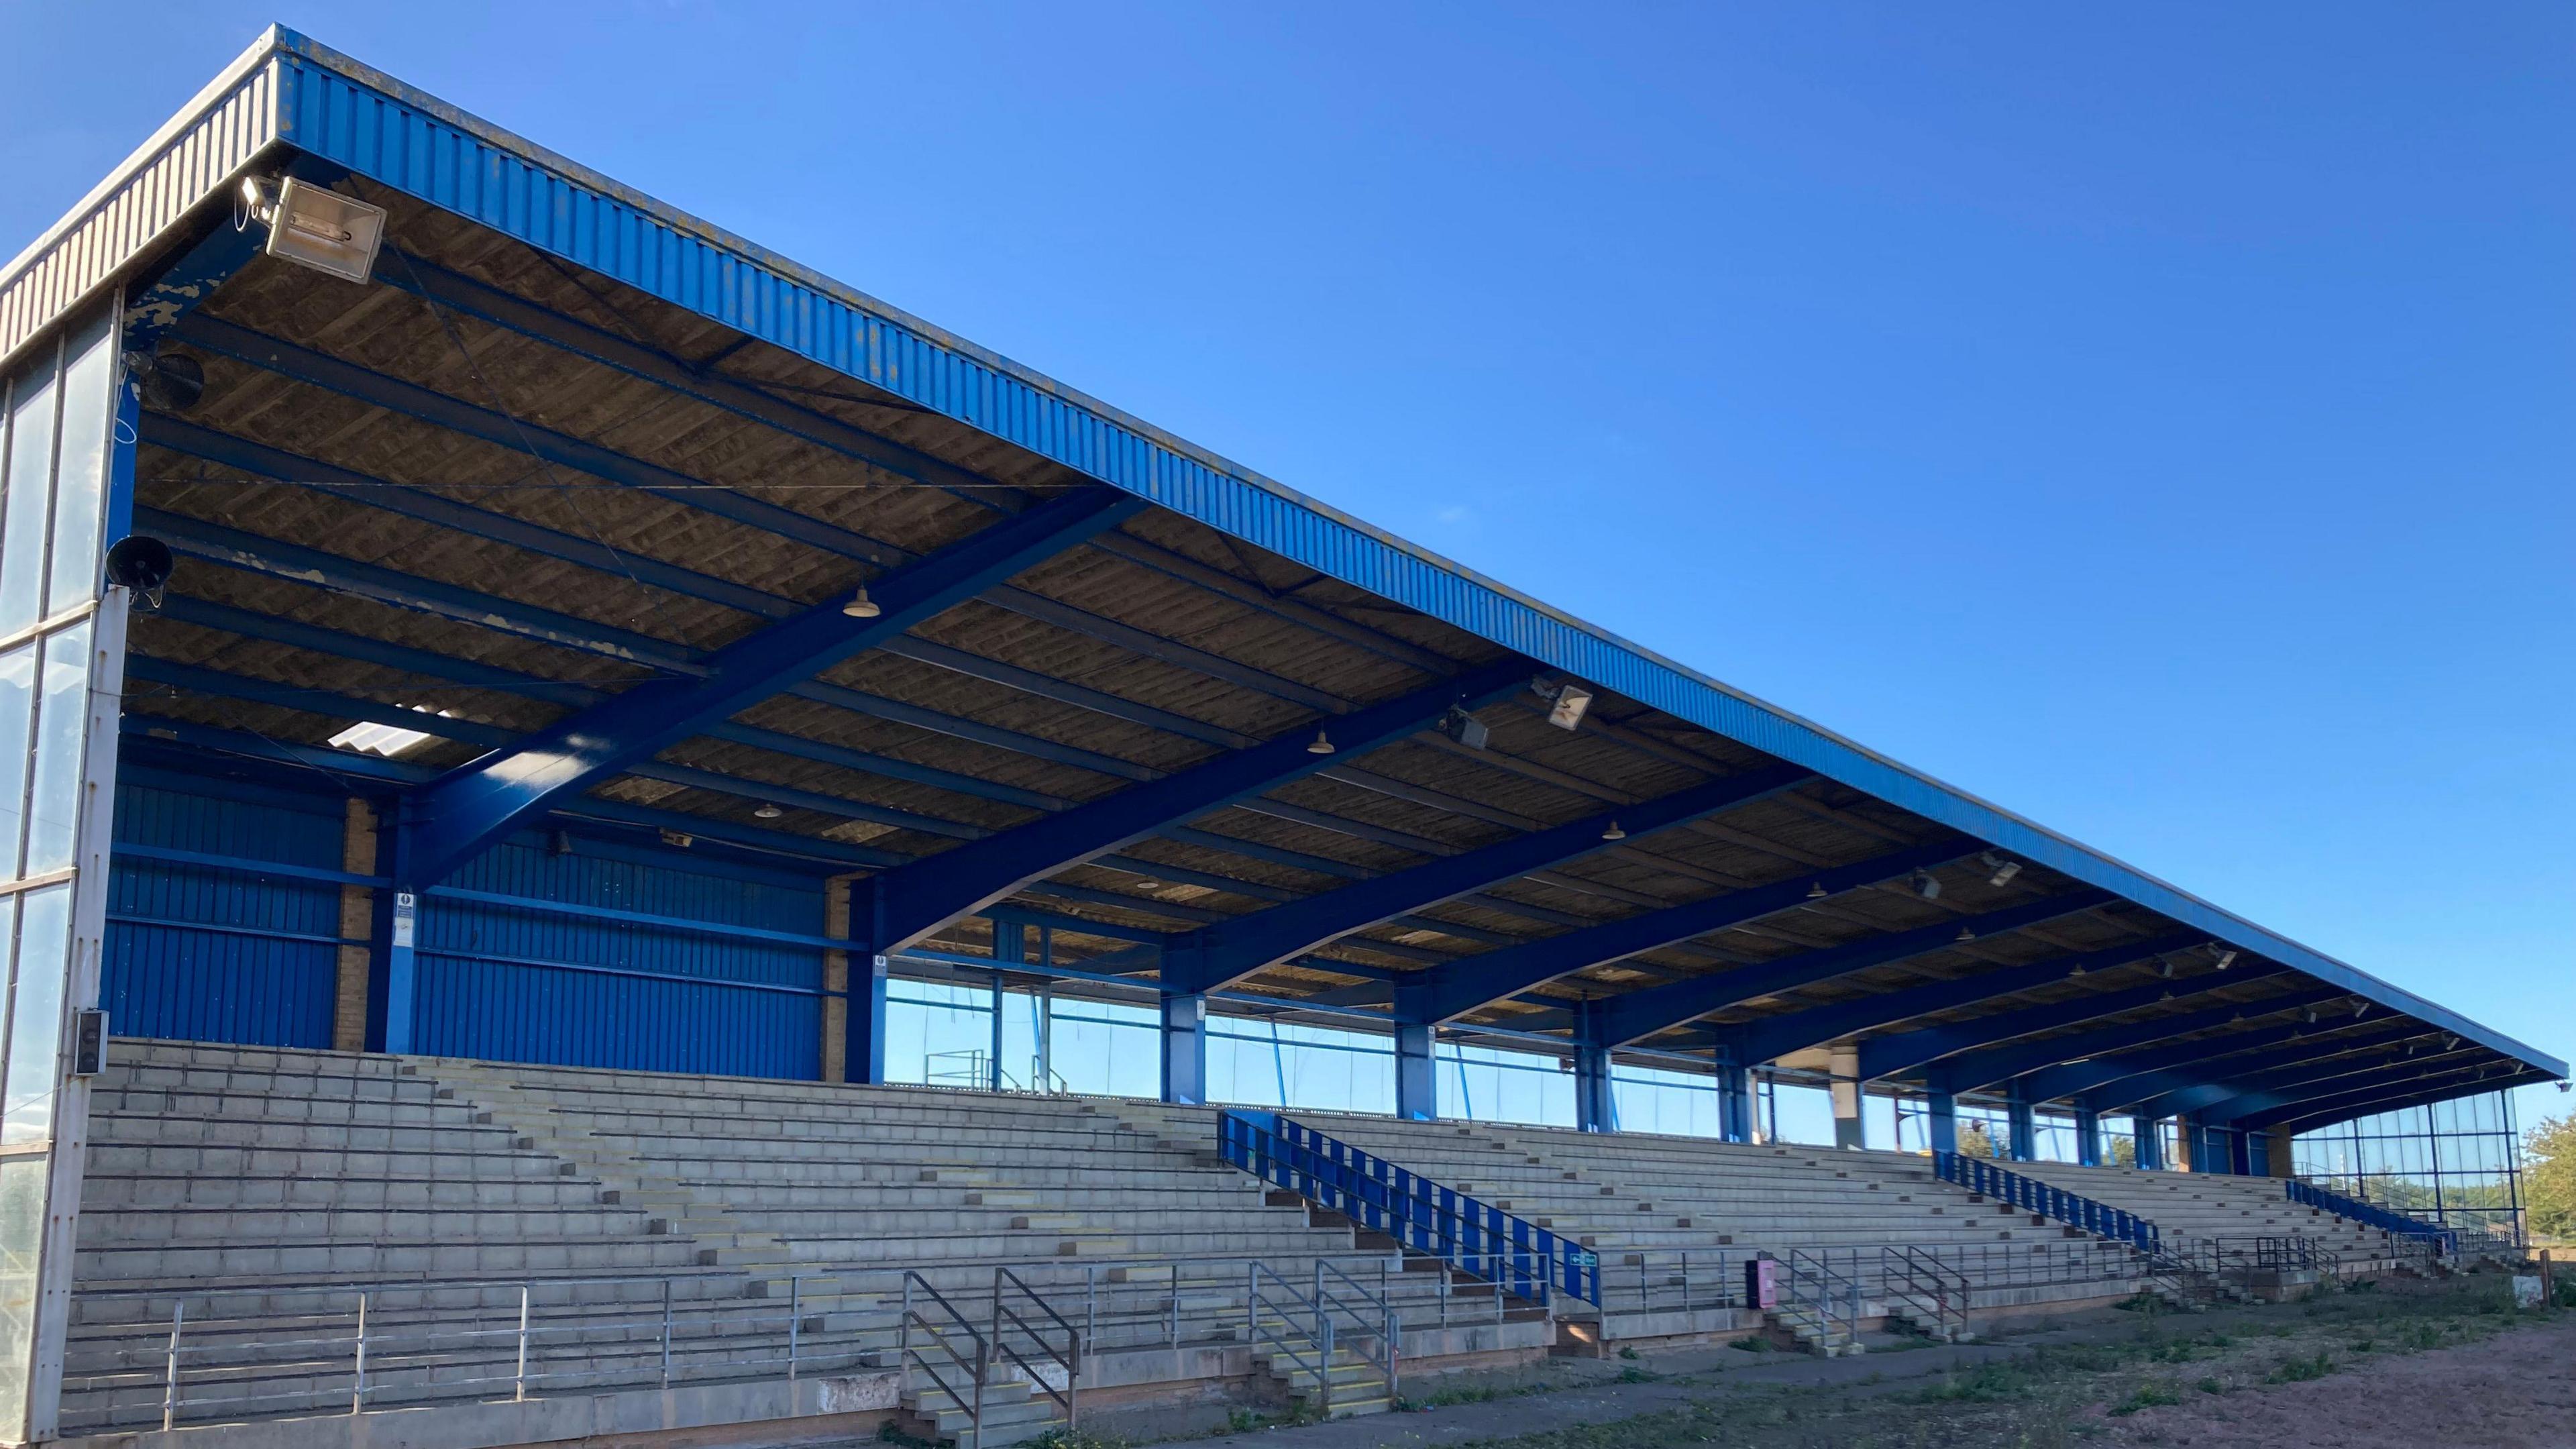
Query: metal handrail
{"points": [[1374, 1317], [1984, 1178], [977, 1368], [1070, 1360], [2308, 1194], [1425, 1216], [1923, 1282], [1812, 1282], [1319, 1338]]}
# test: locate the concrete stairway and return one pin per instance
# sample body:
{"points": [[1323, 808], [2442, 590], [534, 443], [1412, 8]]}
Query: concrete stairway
{"points": [[2196, 1205]]}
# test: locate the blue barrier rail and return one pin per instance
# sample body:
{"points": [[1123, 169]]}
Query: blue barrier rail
{"points": [[1473, 1237], [1979, 1176], [2308, 1194]]}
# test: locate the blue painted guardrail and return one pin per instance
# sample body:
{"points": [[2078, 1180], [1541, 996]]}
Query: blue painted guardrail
{"points": [[2308, 1194], [1471, 1236], [1979, 1176]]}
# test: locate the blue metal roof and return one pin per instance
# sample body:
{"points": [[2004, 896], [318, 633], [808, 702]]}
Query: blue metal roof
{"points": [[290, 92]]}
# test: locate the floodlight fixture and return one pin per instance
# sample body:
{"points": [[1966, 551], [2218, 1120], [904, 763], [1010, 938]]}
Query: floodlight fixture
{"points": [[1926, 886], [678, 838], [2226, 958], [314, 226], [1465, 728], [1570, 700], [2003, 866]]}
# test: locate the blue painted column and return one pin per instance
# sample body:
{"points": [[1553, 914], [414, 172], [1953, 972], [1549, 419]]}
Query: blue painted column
{"points": [[2020, 1128], [1594, 1109], [1941, 1121], [863, 1026], [2149, 1143], [1010, 945], [1185, 1048], [1734, 1103], [2240, 1152], [1417, 1086], [2088, 1137], [393, 969], [1850, 1130]]}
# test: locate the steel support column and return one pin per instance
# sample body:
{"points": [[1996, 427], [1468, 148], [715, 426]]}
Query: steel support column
{"points": [[1850, 1132], [1941, 1121], [2088, 1137], [1595, 1108], [2147, 1143], [1734, 1102], [1185, 1048], [1417, 1083], [2021, 1128], [864, 1027]]}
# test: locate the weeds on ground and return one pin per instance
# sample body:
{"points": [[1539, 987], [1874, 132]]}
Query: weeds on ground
{"points": [[1628, 1353], [1063, 1438], [2212, 1384], [1987, 1383], [2144, 1396], [1751, 1343], [887, 1433], [2301, 1370]]}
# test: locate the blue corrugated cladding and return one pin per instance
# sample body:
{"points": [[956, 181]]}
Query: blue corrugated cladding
{"points": [[222, 955], [517, 983], [418, 145]]}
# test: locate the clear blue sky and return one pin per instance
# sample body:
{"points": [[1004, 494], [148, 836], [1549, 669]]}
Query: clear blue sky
{"points": [[2157, 423]]}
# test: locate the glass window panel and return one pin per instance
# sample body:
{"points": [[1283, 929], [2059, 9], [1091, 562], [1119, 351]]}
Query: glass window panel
{"points": [[17, 730], [22, 513], [87, 407], [53, 804], [22, 1226], [36, 1015]]}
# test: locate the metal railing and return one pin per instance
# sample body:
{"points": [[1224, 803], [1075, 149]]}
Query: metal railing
{"points": [[1269, 1318], [935, 1349], [1809, 1281], [1424, 1216], [1984, 1178], [1067, 1361], [1691, 1279], [1377, 1334], [1916, 1283], [2308, 1194]]}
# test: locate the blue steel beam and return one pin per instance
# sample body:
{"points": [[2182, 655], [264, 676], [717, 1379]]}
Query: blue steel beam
{"points": [[2091, 1077], [2168, 1094], [1444, 993], [335, 375], [2308, 1116], [1226, 953], [1776, 1036], [1971, 1070], [2221, 1103], [1635, 1015], [1895, 1055], [461, 815], [909, 903], [747, 400], [157, 305]]}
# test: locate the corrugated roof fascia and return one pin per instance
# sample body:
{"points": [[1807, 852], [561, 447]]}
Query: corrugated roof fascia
{"points": [[158, 184], [1084, 433]]}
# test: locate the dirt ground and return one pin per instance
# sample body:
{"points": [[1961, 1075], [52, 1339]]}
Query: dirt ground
{"points": [[2400, 1365], [2514, 1391]]}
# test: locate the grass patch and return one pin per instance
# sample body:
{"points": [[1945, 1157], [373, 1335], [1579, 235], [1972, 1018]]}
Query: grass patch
{"points": [[2301, 1370], [1987, 1383], [1751, 1343], [2145, 1396]]}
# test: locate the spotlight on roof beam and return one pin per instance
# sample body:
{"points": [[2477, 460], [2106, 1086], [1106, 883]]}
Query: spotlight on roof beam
{"points": [[1322, 744], [2004, 868], [2164, 968], [861, 606], [1465, 728], [2226, 958], [1614, 832], [680, 838], [1571, 701], [1925, 886], [313, 226]]}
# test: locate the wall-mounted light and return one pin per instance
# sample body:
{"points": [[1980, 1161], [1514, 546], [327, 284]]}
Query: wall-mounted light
{"points": [[314, 226]]}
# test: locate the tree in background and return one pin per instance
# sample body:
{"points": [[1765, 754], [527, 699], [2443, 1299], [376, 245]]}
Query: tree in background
{"points": [[1975, 1141], [2549, 1177], [2124, 1151]]}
